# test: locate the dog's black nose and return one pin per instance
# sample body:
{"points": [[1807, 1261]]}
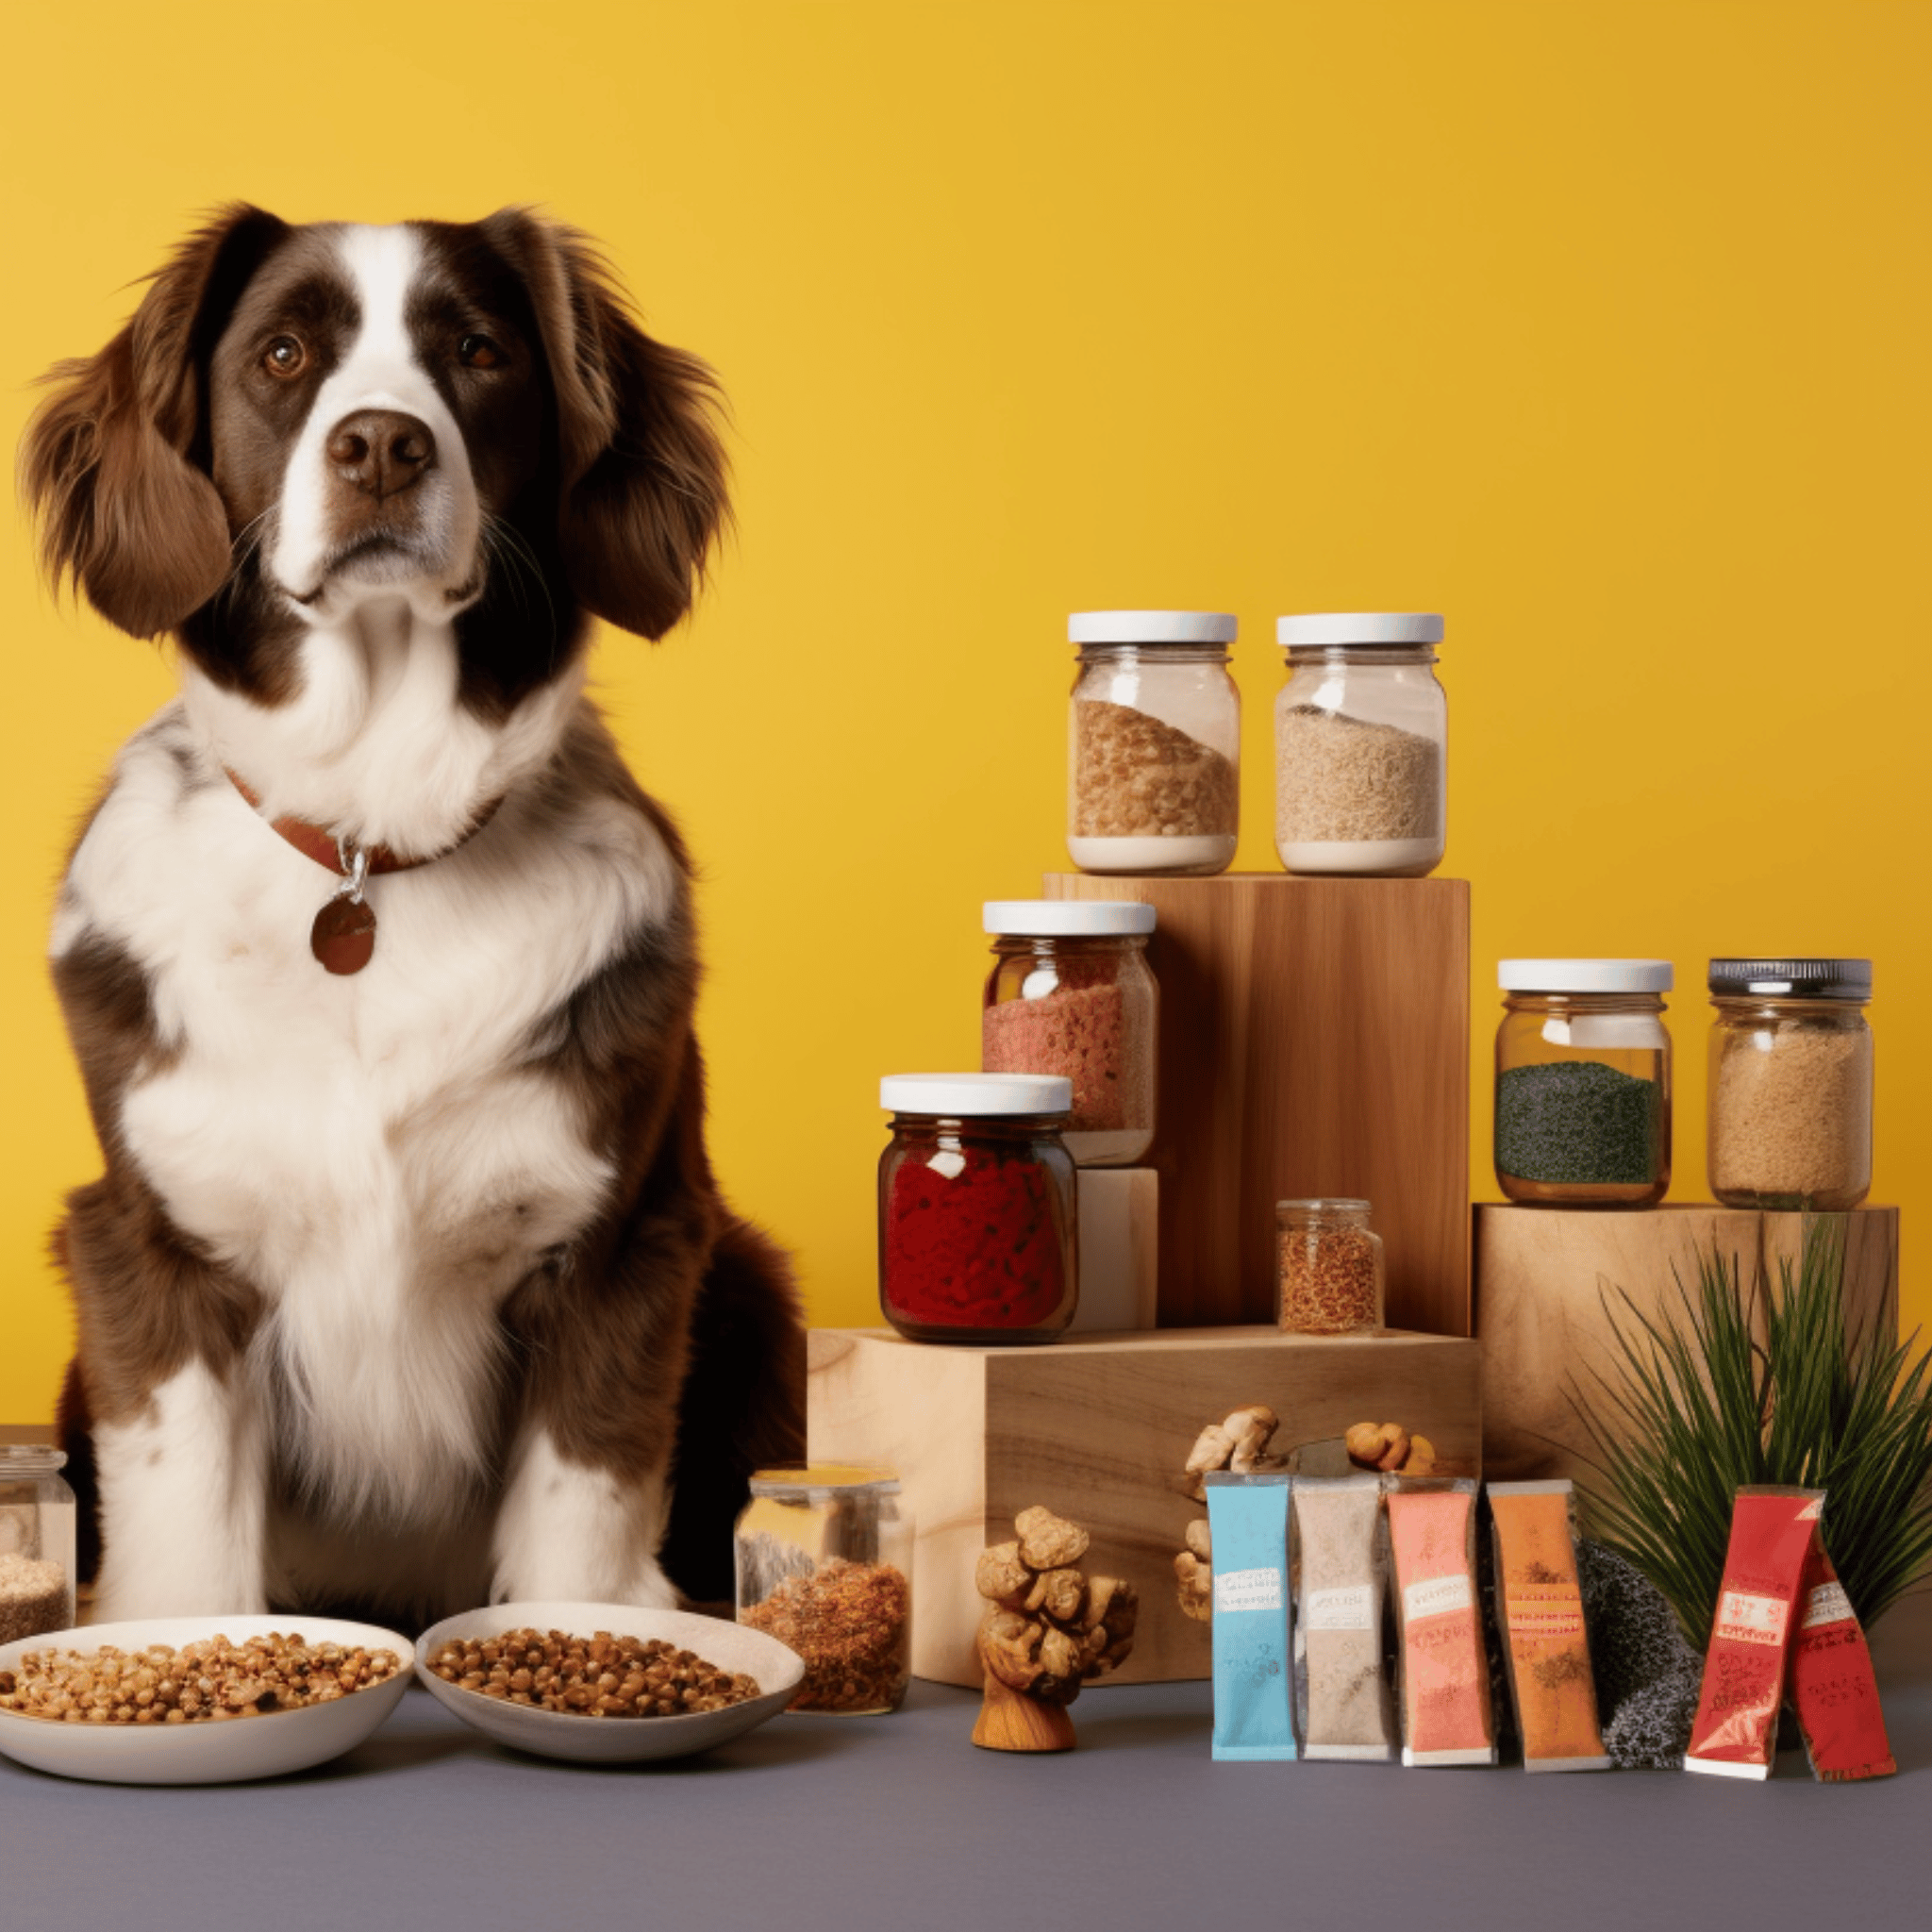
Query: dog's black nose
{"points": [[381, 451]]}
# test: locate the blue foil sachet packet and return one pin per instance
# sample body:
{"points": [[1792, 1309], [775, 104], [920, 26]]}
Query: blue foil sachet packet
{"points": [[1254, 1677]]}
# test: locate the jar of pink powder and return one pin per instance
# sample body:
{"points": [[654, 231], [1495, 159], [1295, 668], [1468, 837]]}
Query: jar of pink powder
{"points": [[1070, 993]]}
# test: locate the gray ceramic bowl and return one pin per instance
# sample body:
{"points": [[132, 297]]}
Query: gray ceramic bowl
{"points": [[616, 1741], [207, 1753]]}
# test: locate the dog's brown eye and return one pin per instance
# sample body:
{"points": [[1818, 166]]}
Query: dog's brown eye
{"points": [[284, 357], [479, 352]]}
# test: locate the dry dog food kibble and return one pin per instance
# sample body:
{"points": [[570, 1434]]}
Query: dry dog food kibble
{"points": [[213, 1679], [848, 1622], [600, 1675], [34, 1596]]}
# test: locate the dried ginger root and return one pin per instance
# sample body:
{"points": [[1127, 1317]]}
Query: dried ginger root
{"points": [[1047, 1630], [1390, 1447], [1238, 1442]]}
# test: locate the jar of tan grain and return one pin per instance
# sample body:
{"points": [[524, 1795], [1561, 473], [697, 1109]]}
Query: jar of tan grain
{"points": [[1361, 745], [1154, 766], [1330, 1260], [37, 1522], [1791, 1083]]}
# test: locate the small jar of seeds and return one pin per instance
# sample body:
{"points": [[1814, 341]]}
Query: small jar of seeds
{"points": [[37, 1536], [825, 1565], [1155, 732], [1331, 1268], [1790, 1084], [1361, 745], [1583, 1083]]}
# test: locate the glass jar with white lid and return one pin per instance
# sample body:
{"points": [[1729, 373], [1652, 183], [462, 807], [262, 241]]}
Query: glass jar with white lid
{"points": [[1583, 1082], [1154, 728], [1361, 744]]}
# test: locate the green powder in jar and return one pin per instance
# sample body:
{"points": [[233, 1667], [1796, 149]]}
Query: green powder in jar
{"points": [[1579, 1123]]}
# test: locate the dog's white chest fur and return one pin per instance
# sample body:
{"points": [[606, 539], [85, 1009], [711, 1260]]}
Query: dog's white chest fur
{"points": [[382, 1156]]}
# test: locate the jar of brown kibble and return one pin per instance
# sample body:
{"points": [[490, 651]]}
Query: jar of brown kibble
{"points": [[825, 1565], [1153, 767], [1331, 1268], [1790, 1084]]}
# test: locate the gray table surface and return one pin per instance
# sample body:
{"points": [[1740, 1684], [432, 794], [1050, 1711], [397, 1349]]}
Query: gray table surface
{"points": [[899, 1821]]}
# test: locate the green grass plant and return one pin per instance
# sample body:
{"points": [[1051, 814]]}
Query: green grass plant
{"points": [[1744, 1381]]}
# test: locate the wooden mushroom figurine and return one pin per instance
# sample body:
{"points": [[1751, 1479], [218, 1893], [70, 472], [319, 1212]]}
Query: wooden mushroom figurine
{"points": [[1047, 1630]]}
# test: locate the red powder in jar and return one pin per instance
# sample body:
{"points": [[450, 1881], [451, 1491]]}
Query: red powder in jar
{"points": [[979, 1247], [1079, 1031]]}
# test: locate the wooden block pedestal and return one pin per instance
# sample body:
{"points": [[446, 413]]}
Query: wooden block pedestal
{"points": [[1314, 1041], [1541, 1273], [1098, 1428]]}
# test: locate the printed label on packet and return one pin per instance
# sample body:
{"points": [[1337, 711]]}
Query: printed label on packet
{"points": [[1336, 1609], [1556, 1613], [1827, 1604], [1743, 1619], [1247, 1590], [1435, 1596]]}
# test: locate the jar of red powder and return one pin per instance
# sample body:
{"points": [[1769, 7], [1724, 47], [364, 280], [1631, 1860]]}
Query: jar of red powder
{"points": [[1070, 993], [977, 1207]]}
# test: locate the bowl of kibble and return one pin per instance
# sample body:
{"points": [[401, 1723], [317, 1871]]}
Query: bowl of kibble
{"points": [[198, 1700], [605, 1683]]}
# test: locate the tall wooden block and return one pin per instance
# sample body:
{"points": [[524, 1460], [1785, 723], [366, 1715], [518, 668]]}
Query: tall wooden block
{"points": [[1314, 1041], [1098, 1428], [1541, 1277]]}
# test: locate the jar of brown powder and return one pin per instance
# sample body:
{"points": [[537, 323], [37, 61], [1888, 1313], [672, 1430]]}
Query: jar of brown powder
{"points": [[1791, 1083], [1070, 994], [1361, 744], [1154, 742]]}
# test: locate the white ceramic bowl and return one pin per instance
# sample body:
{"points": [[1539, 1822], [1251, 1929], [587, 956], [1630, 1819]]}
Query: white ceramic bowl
{"points": [[619, 1740], [204, 1753]]}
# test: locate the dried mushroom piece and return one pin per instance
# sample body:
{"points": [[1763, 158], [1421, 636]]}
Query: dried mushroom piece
{"points": [[1010, 1646], [1001, 1577], [1196, 1581], [1048, 1542], [1199, 1541], [1238, 1442], [1390, 1447]]}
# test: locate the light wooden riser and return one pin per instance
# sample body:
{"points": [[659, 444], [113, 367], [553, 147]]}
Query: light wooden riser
{"points": [[1098, 1429], [1314, 1041], [1542, 1275]]}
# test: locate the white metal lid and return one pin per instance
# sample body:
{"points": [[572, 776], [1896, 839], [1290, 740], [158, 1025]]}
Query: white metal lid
{"points": [[1150, 628], [1068, 918], [1361, 627], [977, 1095], [1585, 976]]}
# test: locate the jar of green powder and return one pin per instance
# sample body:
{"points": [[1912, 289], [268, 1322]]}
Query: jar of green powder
{"points": [[1583, 1082]]}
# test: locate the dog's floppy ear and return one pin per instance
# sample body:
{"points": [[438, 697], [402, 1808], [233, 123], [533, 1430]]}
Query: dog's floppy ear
{"points": [[109, 460], [643, 472]]}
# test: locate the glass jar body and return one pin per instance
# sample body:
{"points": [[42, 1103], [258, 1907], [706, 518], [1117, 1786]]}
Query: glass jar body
{"points": [[1086, 1008], [1361, 761], [1154, 761], [823, 1559], [1583, 1099], [1331, 1268], [977, 1229], [1790, 1122], [37, 1543]]}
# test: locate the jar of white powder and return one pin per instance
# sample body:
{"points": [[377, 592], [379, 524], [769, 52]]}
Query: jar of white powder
{"points": [[1154, 742], [1361, 745], [1790, 1084], [36, 1538]]}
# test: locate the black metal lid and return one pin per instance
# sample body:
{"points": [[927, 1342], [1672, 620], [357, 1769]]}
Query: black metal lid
{"points": [[1798, 979]]}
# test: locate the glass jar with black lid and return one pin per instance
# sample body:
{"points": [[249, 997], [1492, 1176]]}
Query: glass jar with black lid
{"points": [[1791, 1083]]}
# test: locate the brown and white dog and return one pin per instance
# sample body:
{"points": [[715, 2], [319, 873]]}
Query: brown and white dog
{"points": [[405, 1286]]}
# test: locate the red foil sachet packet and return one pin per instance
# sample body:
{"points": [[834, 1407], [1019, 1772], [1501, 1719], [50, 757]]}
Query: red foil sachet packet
{"points": [[1735, 1733], [1833, 1689]]}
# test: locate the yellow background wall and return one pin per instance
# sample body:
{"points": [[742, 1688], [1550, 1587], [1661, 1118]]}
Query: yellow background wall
{"points": [[1600, 327]]}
